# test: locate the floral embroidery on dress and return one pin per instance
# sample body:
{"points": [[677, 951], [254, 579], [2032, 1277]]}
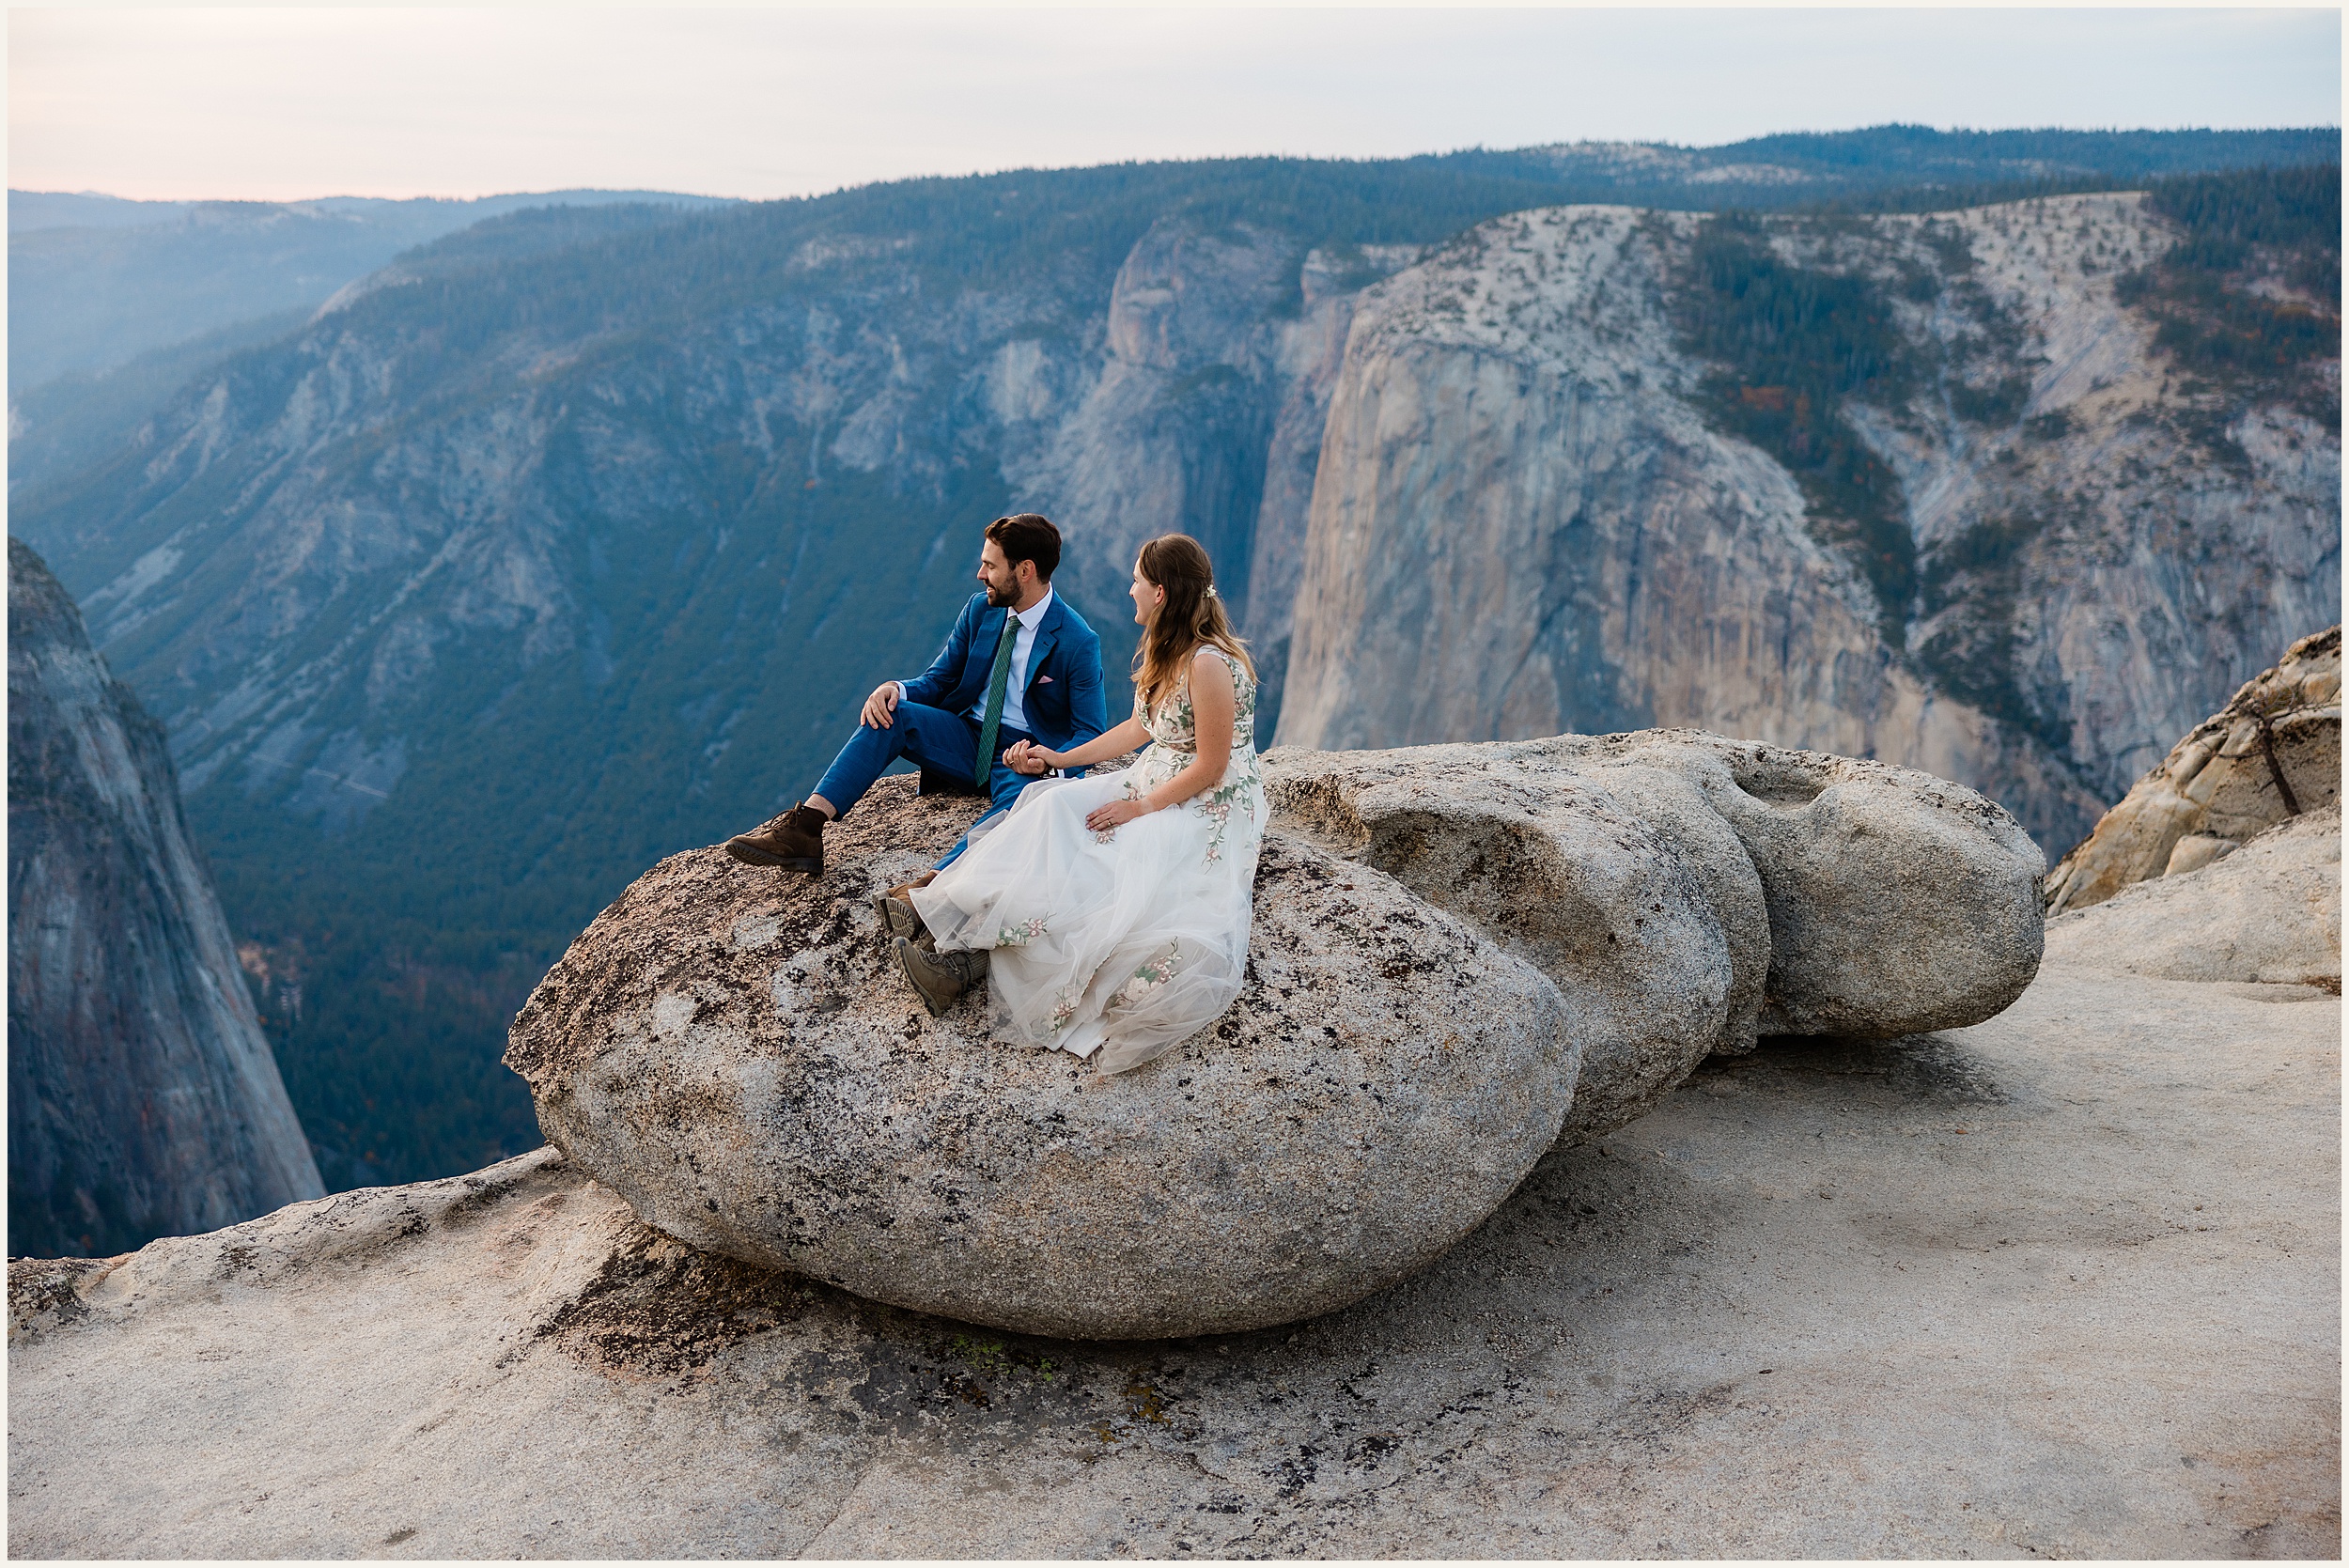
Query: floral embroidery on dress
{"points": [[1216, 806], [1022, 934], [1159, 970], [1064, 1008], [1175, 729]]}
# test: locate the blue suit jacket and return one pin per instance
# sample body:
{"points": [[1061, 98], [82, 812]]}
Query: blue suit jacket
{"points": [[1062, 698]]}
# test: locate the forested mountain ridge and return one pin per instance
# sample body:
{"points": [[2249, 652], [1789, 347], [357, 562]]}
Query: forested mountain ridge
{"points": [[521, 567], [115, 302]]}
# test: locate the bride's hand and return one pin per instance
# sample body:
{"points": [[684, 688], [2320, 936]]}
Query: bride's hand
{"points": [[1030, 758], [1105, 817]]}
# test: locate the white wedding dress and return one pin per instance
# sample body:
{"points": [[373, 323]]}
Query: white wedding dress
{"points": [[1129, 941]]}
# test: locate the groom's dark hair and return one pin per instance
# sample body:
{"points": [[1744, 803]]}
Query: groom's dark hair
{"points": [[1028, 536]]}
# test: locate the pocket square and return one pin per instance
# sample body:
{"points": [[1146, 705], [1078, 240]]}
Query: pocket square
{"points": [[1044, 680]]}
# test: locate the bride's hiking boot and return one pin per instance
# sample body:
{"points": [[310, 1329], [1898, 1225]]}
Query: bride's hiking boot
{"points": [[939, 977], [899, 917], [794, 842]]}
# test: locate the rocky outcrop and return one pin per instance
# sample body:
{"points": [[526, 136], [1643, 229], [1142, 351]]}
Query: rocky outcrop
{"points": [[1689, 893], [1698, 1338], [143, 1099], [2269, 913], [2271, 754], [1441, 936], [736, 1054], [1528, 520]]}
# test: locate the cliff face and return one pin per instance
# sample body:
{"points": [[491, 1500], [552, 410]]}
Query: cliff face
{"points": [[1527, 521], [142, 1100], [1489, 495], [1203, 413]]}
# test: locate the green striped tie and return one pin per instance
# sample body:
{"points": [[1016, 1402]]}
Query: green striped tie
{"points": [[998, 678]]}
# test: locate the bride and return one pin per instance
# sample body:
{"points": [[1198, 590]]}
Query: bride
{"points": [[1110, 913]]}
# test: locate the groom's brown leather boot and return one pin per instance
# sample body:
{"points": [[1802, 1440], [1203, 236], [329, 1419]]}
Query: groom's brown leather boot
{"points": [[899, 917], [794, 841], [939, 977]]}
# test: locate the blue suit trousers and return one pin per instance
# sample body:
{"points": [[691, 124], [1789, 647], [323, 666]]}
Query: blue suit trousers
{"points": [[932, 738]]}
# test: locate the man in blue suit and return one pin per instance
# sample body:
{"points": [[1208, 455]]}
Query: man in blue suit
{"points": [[1020, 665]]}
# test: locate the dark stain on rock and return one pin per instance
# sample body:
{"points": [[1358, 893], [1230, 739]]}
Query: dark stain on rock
{"points": [[45, 1293], [657, 1307]]}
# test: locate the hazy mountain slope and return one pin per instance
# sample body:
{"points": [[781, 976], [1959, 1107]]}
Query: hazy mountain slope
{"points": [[71, 421], [62, 426], [33, 210], [142, 1100], [512, 572], [114, 280], [1529, 519]]}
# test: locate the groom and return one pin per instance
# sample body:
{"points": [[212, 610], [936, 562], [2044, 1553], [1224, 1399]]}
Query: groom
{"points": [[1020, 665]]}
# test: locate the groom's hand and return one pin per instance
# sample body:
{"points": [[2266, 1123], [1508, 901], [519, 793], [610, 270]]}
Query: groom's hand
{"points": [[1029, 758], [879, 706]]}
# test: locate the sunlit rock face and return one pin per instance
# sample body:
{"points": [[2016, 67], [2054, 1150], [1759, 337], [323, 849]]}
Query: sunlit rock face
{"points": [[2268, 913], [1526, 521]]}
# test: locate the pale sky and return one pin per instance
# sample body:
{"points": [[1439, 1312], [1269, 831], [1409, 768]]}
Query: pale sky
{"points": [[282, 103]]}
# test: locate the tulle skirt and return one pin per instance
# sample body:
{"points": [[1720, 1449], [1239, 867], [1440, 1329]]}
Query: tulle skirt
{"points": [[1126, 944]]}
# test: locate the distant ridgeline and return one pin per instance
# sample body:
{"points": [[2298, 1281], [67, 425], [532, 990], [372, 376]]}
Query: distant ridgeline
{"points": [[572, 538]]}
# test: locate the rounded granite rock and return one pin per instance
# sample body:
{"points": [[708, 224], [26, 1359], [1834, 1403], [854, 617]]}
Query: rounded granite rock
{"points": [[1607, 891], [736, 1052], [1689, 893]]}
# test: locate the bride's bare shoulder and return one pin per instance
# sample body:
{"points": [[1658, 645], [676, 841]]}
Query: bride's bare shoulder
{"points": [[1211, 673]]}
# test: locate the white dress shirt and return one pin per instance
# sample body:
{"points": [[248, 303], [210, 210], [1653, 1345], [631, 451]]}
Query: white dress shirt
{"points": [[1015, 691]]}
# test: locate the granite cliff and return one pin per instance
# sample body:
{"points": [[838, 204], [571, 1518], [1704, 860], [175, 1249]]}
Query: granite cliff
{"points": [[1528, 520], [142, 1100]]}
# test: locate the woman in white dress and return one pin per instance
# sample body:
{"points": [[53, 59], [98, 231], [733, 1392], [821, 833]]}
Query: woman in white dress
{"points": [[1110, 913]]}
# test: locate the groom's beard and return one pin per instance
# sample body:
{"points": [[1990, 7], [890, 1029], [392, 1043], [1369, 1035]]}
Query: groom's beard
{"points": [[999, 599]]}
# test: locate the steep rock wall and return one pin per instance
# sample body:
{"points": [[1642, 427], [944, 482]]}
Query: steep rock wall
{"points": [[1524, 522], [142, 1100]]}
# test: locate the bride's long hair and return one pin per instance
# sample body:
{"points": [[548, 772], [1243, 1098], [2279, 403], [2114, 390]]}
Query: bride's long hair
{"points": [[1192, 618]]}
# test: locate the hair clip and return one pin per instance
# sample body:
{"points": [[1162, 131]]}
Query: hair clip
{"points": [[1211, 593]]}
